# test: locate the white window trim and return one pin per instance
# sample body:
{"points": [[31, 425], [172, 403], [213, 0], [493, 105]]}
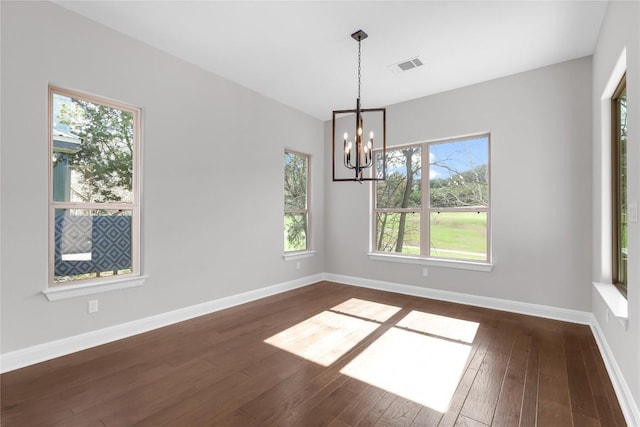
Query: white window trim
{"points": [[290, 256], [307, 252], [61, 292], [616, 303], [433, 262], [55, 291], [605, 199], [425, 209]]}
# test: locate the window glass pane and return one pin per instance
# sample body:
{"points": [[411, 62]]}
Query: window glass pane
{"points": [[92, 152], [398, 232], [458, 173], [295, 181], [402, 188], [295, 232], [91, 243], [459, 235], [621, 118]]}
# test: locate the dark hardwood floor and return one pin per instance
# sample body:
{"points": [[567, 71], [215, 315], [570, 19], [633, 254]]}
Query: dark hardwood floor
{"points": [[327, 354]]}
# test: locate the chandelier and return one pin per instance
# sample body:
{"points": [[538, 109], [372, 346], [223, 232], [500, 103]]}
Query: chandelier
{"points": [[357, 155]]}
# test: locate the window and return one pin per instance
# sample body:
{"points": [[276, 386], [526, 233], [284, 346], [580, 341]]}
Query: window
{"points": [[94, 196], [296, 202], [435, 200], [619, 184]]}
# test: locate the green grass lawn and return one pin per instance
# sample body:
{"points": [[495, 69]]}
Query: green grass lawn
{"points": [[460, 235]]}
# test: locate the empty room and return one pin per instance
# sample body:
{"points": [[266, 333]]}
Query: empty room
{"points": [[319, 213]]}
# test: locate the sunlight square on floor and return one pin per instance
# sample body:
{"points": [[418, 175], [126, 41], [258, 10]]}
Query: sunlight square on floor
{"points": [[323, 338], [327, 336], [366, 309], [441, 326], [418, 367]]}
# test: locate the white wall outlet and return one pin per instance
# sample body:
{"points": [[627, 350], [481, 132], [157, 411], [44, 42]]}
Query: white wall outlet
{"points": [[298, 265], [92, 306], [425, 272]]}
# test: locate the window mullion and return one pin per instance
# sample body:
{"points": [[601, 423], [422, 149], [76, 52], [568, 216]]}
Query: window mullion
{"points": [[94, 206], [425, 247]]}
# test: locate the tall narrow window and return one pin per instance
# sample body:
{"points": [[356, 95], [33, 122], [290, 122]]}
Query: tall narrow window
{"points": [[94, 188], [296, 201], [619, 181], [435, 200]]}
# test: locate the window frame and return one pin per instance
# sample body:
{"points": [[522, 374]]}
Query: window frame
{"points": [[105, 282], [616, 203], [425, 210], [306, 211]]}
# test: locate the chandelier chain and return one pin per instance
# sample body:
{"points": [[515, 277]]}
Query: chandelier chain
{"points": [[359, 69]]}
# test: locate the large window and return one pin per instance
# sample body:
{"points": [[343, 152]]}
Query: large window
{"points": [[435, 200], [94, 188], [619, 181], [296, 201]]}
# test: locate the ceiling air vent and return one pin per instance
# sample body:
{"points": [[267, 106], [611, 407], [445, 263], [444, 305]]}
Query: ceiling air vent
{"points": [[406, 65]]}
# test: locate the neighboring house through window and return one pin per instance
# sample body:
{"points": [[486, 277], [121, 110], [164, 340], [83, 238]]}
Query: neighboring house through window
{"points": [[296, 202], [94, 197], [435, 200]]}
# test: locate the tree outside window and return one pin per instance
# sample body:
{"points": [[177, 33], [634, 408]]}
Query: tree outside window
{"points": [[296, 205], [94, 202], [435, 201]]}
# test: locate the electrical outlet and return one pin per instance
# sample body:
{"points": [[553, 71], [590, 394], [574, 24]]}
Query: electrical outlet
{"points": [[632, 212], [298, 265], [425, 272], [92, 306]]}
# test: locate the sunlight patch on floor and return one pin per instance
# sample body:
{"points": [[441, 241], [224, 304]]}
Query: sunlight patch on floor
{"points": [[418, 367], [367, 309], [323, 338], [442, 326], [421, 358]]}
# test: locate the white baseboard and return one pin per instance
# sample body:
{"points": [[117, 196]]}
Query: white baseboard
{"points": [[625, 398], [548, 312], [50, 350]]}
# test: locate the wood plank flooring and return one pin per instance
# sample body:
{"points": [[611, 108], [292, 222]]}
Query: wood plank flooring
{"points": [[327, 355]]}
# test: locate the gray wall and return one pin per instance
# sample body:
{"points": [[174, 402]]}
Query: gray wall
{"points": [[213, 159], [620, 29], [540, 189]]}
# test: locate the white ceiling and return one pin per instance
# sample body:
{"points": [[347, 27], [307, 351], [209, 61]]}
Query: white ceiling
{"points": [[301, 52]]}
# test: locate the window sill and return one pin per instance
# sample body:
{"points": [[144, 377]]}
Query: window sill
{"points": [[56, 293], [616, 303], [289, 256], [462, 265]]}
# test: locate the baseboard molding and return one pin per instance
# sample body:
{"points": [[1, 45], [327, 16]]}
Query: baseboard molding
{"points": [[625, 398], [50, 350], [548, 312]]}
